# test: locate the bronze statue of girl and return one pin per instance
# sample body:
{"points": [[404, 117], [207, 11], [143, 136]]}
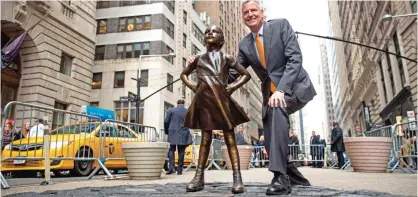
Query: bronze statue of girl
{"points": [[213, 107]]}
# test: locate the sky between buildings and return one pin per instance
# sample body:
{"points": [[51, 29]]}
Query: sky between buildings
{"points": [[308, 16]]}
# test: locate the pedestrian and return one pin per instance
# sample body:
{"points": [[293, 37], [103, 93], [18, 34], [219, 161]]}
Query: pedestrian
{"points": [[239, 136], [314, 149], [272, 50], [213, 107], [337, 143], [179, 136]]}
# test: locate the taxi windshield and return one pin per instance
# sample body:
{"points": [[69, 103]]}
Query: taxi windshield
{"points": [[75, 129]]}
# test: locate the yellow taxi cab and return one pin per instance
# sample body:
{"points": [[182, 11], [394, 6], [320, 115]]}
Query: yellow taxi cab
{"points": [[73, 147]]}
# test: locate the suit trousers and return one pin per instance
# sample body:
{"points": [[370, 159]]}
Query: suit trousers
{"points": [[180, 151], [276, 135]]}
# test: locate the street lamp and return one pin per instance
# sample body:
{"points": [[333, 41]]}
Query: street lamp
{"points": [[138, 80], [388, 17]]}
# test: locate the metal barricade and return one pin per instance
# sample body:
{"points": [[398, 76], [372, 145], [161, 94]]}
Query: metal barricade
{"points": [[404, 155], [112, 134], [314, 154], [259, 157], [44, 139], [216, 156], [380, 132]]}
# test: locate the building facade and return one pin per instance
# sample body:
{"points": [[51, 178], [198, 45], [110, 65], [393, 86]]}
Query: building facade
{"points": [[381, 86], [333, 75], [326, 94], [227, 15], [54, 65], [133, 35]]}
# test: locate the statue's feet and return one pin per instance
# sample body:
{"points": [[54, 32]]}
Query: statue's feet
{"points": [[238, 186], [197, 183]]}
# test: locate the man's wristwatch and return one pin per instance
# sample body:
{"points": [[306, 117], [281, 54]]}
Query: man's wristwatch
{"points": [[281, 91]]}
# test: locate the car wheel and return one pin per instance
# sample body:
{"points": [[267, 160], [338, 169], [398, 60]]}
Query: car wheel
{"points": [[82, 168]]}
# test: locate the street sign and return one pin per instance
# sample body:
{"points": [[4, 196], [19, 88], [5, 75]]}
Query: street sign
{"points": [[130, 98]]}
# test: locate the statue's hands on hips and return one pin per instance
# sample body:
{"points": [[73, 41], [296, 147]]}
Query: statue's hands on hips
{"points": [[191, 60], [194, 88], [230, 90], [277, 99]]}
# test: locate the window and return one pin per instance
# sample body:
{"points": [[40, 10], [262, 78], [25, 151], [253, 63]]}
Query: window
{"points": [[99, 53], [184, 40], [58, 117], [398, 52], [170, 81], [383, 81], [414, 6], [390, 73], [101, 26], [132, 50], [133, 2], [184, 63], [144, 78], [171, 6], [97, 81], [126, 111], [119, 81], [65, 66], [167, 106], [197, 33], [169, 58], [169, 28], [135, 23], [102, 4], [183, 91], [185, 17], [195, 50], [94, 104]]}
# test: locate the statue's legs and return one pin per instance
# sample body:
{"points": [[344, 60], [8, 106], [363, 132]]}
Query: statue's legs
{"points": [[238, 186], [198, 182]]}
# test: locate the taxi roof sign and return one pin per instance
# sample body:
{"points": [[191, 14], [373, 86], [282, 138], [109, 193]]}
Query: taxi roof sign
{"points": [[103, 114]]}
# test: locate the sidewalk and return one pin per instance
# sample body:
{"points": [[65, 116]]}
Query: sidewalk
{"points": [[396, 184]]}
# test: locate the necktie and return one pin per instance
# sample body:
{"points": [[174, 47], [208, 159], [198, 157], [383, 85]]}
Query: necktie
{"points": [[260, 50]]}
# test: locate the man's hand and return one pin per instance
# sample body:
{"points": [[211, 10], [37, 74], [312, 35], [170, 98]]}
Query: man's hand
{"points": [[191, 60], [332, 142], [277, 100]]}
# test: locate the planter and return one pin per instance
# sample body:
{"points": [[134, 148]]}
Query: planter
{"points": [[369, 154], [244, 156], [145, 159]]}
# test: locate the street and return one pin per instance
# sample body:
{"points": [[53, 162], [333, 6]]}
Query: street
{"points": [[393, 183]]}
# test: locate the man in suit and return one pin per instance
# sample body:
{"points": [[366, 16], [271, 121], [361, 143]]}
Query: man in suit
{"points": [[272, 50], [314, 141], [239, 136], [337, 143], [178, 136]]}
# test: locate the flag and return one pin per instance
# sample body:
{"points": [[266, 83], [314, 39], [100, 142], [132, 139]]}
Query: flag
{"points": [[9, 53]]}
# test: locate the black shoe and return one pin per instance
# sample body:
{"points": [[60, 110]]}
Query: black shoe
{"points": [[279, 186], [179, 173], [170, 172]]}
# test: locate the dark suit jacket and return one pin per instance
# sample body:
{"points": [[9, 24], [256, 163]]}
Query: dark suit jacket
{"points": [[174, 128], [239, 139], [284, 63], [337, 138]]}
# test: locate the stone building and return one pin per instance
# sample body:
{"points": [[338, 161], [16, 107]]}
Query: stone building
{"points": [[326, 92], [375, 86], [227, 15], [54, 65], [125, 31]]}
